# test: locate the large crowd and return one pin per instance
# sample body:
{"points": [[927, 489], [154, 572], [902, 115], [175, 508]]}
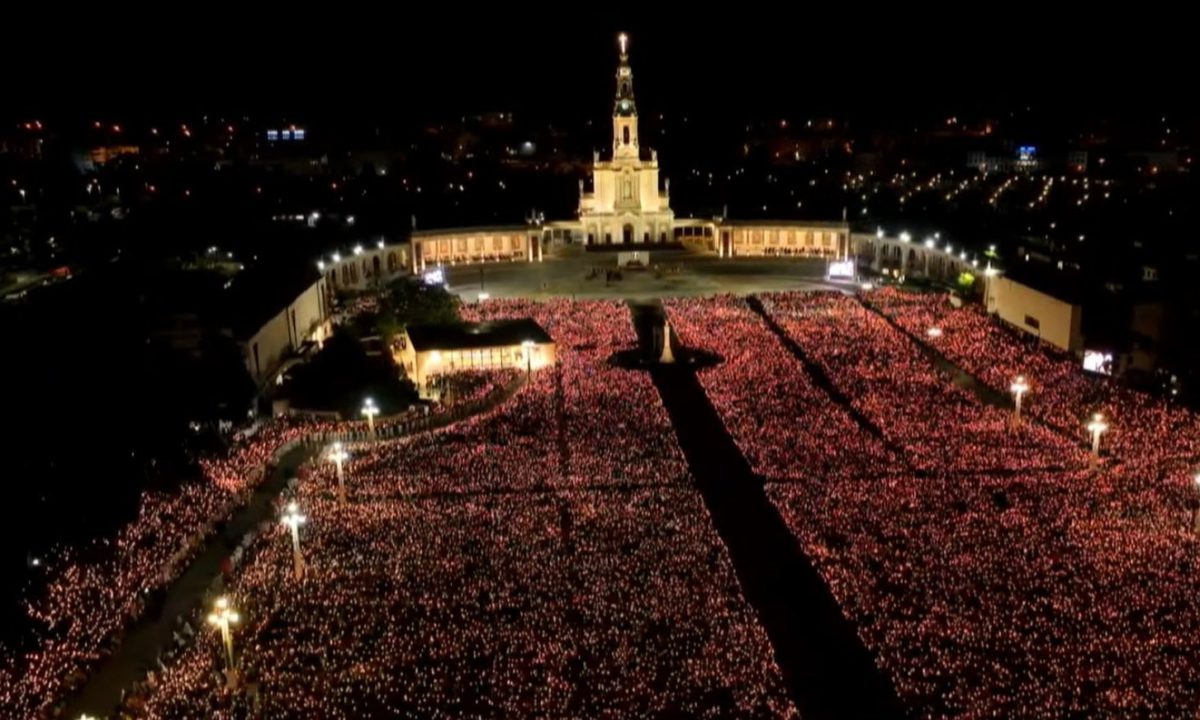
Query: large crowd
{"points": [[991, 570], [550, 558], [782, 422], [1061, 395], [94, 592], [546, 559], [886, 377]]}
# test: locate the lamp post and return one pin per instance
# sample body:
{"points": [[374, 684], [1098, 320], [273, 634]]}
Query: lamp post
{"points": [[989, 273], [293, 519], [1096, 427], [223, 617], [370, 410], [339, 455], [528, 346], [1019, 388]]}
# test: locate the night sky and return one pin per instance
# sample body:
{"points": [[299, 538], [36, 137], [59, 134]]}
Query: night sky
{"points": [[394, 64]]}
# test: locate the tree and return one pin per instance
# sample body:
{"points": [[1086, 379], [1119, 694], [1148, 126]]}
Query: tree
{"points": [[966, 281], [342, 374], [409, 301]]}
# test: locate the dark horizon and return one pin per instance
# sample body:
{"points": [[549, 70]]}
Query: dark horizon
{"points": [[819, 65]]}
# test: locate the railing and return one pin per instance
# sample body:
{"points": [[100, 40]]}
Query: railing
{"points": [[409, 423]]}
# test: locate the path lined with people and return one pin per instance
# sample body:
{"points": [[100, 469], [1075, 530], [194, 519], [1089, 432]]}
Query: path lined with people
{"points": [[465, 576], [143, 643], [818, 374], [1015, 576], [828, 671]]}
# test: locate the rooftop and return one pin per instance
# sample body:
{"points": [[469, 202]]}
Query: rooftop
{"points": [[832, 225], [497, 333], [260, 293], [478, 230]]}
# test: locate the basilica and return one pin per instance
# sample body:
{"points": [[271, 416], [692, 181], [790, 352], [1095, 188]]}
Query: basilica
{"points": [[624, 202], [626, 205]]}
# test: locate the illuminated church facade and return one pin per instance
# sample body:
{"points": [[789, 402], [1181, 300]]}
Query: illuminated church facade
{"points": [[626, 203]]}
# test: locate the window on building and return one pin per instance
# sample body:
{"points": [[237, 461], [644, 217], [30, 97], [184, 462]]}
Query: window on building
{"points": [[625, 134], [1032, 322]]}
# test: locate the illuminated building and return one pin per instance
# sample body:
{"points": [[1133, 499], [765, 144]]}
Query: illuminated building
{"points": [[625, 204], [433, 350]]}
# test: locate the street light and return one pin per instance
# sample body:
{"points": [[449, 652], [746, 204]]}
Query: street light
{"points": [[293, 519], [1096, 427], [370, 409], [222, 617], [1019, 388], [339, 455], [528, 345], [934, 332]]}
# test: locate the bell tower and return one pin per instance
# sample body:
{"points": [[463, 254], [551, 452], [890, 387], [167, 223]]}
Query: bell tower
{"points": [[626, 203], [625, 125]]}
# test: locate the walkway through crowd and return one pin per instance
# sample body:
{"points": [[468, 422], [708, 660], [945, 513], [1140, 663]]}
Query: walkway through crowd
{"points": [[829, 672]]}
